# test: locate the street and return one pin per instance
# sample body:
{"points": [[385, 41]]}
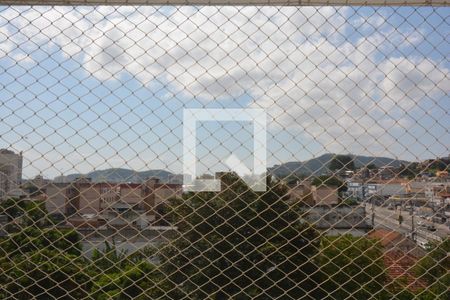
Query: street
{"points": [[389, 219]]}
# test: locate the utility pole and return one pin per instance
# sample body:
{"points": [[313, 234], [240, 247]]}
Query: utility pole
{"points": [[373, 212], [400, 217], [413, 230]]}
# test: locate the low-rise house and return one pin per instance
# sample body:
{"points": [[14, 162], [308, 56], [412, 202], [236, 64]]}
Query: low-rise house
{"points": [[338, 219], [355, 189], [442, 174], [400, 256], [300, 192], [310, 195], [325, 195], [386, 172], [122, 214], [385, 188]]}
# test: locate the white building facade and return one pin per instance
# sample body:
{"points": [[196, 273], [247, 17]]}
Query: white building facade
{"points": [[10, 172]]}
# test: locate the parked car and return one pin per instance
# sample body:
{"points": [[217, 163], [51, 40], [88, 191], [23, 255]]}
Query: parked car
{"points": [[422, 244], [430, 227], [440, 220]]}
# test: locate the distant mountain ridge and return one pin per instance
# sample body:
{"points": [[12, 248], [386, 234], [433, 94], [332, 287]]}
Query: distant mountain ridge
{"points": [[314, 166], [119, 175], [319, 165]]}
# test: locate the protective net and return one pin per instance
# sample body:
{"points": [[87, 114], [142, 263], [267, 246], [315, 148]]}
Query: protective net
{"points": [[231, 152]]}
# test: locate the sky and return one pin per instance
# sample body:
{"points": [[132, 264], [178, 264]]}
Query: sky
{"points": [[84, 88]]}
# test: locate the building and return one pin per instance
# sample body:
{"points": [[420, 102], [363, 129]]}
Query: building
{"points": [[355, 189], [436, 193], [116, 204], [385, 188], [325, 195], [10, 172], [338, 219], [300, 192], [55, 198], [175, 178], [386, 172], [310, 195], [442, 174], [400, 254]]}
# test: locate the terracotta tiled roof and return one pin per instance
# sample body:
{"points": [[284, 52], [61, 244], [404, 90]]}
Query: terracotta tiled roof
{"points": [[389, 181], [398, 259], [399, 267], [385, 236]]}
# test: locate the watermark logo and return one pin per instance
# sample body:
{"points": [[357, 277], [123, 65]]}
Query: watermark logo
{"points": [[254, 178]]}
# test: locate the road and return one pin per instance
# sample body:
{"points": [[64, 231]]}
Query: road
{"points": [[389, 219]]}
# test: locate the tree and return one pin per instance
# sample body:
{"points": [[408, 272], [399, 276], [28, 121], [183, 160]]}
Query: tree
{"points": [[435, 269], [117, 275], [330, 181], [40, 263], [400, 220], [12, 207], [293, 178], [110, 260], [35, 213], [30, 211], [409, 171], [139, 280], [44, 274], [351, 267], [240, 244], [32, 239], [341, 163], [371, 166]]}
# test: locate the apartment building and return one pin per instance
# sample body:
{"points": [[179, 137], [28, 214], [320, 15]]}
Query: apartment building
{"points": [[86, 198], [10, 172], [311, 195]]}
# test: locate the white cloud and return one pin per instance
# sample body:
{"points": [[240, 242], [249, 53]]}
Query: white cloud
{"points": [[298, 63]]}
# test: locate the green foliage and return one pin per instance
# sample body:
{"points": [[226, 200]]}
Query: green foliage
{"points": [[349, 201], [32, 189], [435, 269], [46, 263], [147, 253], [32, 239], [292, 178], [351, 267], [35, 212], [371, 166], [409, 171], [132, 281], [326, 180], [438, 164], [12, 207], [330, 181], [341, 163], [117, 275], [110, 260], [30, 211], [44, 274], [241, 244], [235, 244]]}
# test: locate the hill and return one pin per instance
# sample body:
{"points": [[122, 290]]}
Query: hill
{"points": [[314, 166], [119, 175], [319, 165]]}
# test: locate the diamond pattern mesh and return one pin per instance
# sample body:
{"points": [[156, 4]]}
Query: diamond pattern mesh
{"points": [[96, 202]]}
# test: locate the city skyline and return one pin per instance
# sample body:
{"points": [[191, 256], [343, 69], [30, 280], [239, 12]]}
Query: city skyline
{"points": [[356, 160]]}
